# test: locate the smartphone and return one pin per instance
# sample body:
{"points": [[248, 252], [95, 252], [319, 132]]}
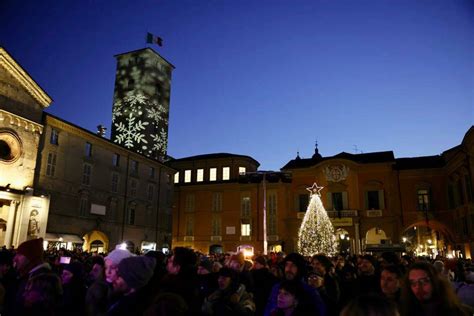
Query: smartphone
{"points": [[64, 260]]}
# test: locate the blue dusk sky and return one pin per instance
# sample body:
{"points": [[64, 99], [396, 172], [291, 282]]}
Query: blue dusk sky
{"points": [[265, 78]]}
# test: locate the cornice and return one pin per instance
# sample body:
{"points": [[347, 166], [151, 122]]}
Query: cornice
{"points": [[22, 76], [19, 121]]}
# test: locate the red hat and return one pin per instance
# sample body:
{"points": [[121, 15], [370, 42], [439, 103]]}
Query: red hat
{"points": [[32, 250]]}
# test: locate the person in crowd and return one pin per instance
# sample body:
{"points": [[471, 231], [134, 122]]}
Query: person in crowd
{"points": [[325, 282], [292, 299], [237, 263], [133, 274], [370, 305], [42, 295], [182, 278], [465, 289], [167, 304], [390, 282], [98, 290], [7, 278], [28, 262], [368, 280], [264, 281], [207, 280], [74, 289], [295, 269], [230, 299], [426, 292], [112, 261]]}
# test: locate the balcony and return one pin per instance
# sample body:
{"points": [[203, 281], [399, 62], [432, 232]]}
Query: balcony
{"points": [[374, 213], [188, 238], [216, 238], [344, 213]]}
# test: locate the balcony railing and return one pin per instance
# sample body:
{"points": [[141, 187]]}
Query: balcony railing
{"points": [[343, 213]]}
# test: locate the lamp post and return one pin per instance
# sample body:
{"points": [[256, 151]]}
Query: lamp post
{"points": [[264, 182]]}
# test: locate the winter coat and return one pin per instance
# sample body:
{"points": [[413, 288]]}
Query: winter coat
{"points": [[233, 301]]}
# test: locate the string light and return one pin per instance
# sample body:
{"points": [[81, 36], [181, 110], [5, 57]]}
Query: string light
{"points": [[316, 233]]}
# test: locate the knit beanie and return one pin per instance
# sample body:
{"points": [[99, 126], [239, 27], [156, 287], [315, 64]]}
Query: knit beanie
{"points": [[118, 255], [136, 271], [76, 268], [299, 261], [32, 250]]}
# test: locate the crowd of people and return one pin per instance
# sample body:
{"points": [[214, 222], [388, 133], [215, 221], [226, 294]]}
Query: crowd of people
{"points": [[185, 282]]}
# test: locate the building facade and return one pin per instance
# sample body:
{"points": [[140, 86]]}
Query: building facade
{"points": [[376, 202], [74, 187]]}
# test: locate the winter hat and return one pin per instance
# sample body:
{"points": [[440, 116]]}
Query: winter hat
{"points": [[261, 260], [227, 272], [118, 255], [76, 268], [32, 250], [136, 271], [297, 260]]}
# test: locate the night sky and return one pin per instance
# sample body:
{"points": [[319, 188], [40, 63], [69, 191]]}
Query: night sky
{"points": [[265, 78]]}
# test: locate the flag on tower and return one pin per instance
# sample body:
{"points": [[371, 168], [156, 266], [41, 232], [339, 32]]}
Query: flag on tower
{"points": [[152, 39]]}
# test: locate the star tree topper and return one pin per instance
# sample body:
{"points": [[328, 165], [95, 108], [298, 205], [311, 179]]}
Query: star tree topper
{"points": [[315, 189]]}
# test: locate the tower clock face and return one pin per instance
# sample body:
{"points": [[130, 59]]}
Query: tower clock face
{"points": [[10, 146]]}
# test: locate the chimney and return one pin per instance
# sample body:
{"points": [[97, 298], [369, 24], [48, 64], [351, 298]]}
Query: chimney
{"points": [[101, 130]]}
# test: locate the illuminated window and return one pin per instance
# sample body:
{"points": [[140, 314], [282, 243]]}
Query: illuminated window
{"points": [[187, 176], [115, 160], [245, 229], [115, 181], [86, 174], [212, 174], [176, 177], [88, 150], [51, 166], [54, 139], [200, 175], [225, 173], [242, 170]]}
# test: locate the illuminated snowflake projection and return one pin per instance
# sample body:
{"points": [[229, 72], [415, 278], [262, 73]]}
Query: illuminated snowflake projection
{"points": [[160, 141], [131, 132]]}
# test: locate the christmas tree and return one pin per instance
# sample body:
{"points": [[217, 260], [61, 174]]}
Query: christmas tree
{"points": [[316, 234]]}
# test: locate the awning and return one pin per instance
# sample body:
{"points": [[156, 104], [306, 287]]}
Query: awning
{"points": [[63, 238]]}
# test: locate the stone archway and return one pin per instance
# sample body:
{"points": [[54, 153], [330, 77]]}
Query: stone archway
{"points": [[93, 236], [428, 238], [375, 236]]}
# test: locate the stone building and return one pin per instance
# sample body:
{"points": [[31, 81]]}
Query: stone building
{"points": [[74, 187]]}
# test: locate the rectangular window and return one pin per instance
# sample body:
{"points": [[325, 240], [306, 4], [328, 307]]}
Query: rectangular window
{"points": [[451, 201], [83, 206], [190, 225], [216, 225], [115, 181], [51, 166], [133, 187], [115, 160], [460, 193], [373, 202], [225, 173], [200, 175], [176, 177], [467, 180], [88, 149], [131, 215], [152, 173], [337, 203], [212, 174], [86, 174], [272, 214], [423, 200], [134, 167], [303, 201], [245, 207], [216, 201], [189, 203], [187, 176], [151, 189], [242, 170], [54, 139], [245, 229]]}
